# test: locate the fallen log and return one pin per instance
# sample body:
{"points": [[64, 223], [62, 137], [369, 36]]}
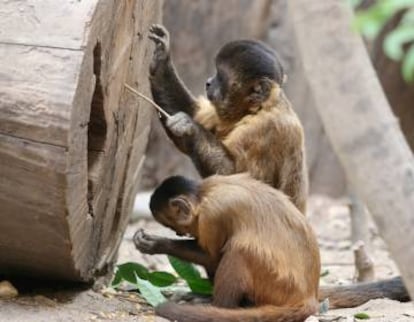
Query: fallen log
{"points": [[72, 139]]}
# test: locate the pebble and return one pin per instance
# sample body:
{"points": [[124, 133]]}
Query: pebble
{"points": [[7, 290]]}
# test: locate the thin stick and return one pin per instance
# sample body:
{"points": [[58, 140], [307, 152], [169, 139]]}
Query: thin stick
{"points": [[148, 100]]}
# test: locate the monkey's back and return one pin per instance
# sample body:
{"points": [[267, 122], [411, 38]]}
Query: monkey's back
{"points": [[261, 223]]}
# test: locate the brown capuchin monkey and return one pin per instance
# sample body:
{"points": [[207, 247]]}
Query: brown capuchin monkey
{"points": [[251, 238], [246, 125], [256, 247]]}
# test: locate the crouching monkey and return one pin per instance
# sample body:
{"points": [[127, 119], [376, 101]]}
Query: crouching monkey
{"points": [[250, 237]]}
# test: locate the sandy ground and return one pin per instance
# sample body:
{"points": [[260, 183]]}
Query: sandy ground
{"points": [[330, 219]]}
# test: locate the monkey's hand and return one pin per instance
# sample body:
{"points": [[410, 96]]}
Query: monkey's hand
{"points": [[161, 38], [181, 125], [148, 244]]}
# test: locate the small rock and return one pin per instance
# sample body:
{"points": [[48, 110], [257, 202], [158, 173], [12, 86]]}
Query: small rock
{"points": [[7, 290], [43, 300], [312, 319]]}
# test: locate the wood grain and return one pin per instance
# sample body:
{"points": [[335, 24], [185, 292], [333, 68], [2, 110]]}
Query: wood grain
{"points": [[72, 139]]}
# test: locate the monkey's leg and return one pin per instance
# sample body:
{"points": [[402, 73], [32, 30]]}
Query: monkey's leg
{"points": [[187, 250], [232, 281], [167, 89]]}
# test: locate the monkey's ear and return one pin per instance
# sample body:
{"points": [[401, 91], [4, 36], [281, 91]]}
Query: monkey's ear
{"points": [[181, 208], [260, 90]]}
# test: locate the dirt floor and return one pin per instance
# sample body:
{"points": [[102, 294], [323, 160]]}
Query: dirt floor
{"points": [[330, 219]]}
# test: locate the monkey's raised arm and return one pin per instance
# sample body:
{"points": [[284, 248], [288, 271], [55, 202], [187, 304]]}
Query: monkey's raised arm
{"points": [[167, 89]]}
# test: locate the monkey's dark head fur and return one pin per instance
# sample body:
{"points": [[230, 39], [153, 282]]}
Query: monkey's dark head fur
{"points": [[252, 60], [246, 72], [170, 188]]}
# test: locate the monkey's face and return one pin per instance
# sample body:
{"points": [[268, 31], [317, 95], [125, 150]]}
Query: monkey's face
{"points": [[246, 71], [225, 93], [178, 216], [165, 219], [217, 86]]}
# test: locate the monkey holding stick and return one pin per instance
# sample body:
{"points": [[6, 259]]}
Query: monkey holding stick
{"points": [[246, 125], [251, 239]]}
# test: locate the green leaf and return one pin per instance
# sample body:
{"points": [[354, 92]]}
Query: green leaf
{"points": [[362, 316], [324, 273], [408, 65], [200, 286], [371, 21], [161, 279], [149, 292], [128, 271], [185, 270], [117, 279], [396, 39]]}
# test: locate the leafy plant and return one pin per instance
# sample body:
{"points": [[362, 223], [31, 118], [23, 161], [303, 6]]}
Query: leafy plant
{"points": [[149, 292], [192, 276], [151, 284], [398, 44]]}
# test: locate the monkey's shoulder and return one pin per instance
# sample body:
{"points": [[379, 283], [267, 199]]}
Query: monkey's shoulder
{"points": [[264, 127]]}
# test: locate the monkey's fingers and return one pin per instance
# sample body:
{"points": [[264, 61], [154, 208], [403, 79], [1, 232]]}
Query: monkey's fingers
{"points": [[158, 41], [145, 243], [138, 235], [160, 30], [144, 246]]}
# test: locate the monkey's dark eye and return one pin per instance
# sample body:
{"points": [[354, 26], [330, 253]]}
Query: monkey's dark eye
{"points": [[209, 81]]}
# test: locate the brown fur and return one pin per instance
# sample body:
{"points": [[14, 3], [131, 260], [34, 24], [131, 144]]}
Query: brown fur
{"points": [[269, 144], [259, 245]]}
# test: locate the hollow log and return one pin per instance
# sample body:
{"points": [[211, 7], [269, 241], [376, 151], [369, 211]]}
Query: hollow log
{"points": [[72, 139]]}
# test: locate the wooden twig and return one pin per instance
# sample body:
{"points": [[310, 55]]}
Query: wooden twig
{"points": [[148, 100], [359, 218], [363, 263]]}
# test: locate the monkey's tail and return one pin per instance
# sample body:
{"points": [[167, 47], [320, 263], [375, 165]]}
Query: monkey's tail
{"points": [[357, 294], [199, 313]]}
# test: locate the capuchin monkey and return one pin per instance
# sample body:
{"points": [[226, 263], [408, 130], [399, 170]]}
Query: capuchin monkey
{"points": [[246, 125], [255, 244], [244, 230]]}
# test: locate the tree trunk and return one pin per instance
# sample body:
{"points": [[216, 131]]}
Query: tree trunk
{"points": [[359, 122], [72, 139]]}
